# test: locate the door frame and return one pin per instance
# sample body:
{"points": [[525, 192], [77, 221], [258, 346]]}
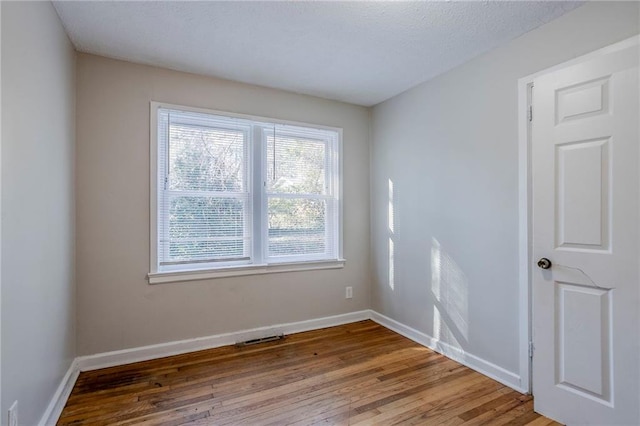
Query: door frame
{"points": [[525, 204]]}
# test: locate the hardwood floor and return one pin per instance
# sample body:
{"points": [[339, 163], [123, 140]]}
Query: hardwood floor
{"points": [[360, 373]]}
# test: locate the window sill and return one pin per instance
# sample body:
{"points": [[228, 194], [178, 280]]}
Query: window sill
{"points": [[236, 271]]}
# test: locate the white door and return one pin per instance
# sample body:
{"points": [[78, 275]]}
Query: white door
{"points": [[586, 189]]}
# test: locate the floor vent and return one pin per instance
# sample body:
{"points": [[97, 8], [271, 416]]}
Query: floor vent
{"points": [[260, 340]]}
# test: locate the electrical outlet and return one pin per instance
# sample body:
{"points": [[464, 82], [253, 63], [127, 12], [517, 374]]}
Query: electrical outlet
{"points": [[13, 414], [348, 293]]}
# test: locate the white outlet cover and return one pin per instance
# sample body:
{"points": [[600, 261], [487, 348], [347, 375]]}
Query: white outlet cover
{"points": [[349, 292], [13, 414]]}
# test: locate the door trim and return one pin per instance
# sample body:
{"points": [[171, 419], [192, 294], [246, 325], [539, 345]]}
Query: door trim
{"points": [[525, 237]]}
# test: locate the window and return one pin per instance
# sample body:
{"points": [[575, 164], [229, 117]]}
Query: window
{"points": [[232, 195]]}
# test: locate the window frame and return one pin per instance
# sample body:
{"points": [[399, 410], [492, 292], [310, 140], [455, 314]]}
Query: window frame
{"points": [[258, 199]]}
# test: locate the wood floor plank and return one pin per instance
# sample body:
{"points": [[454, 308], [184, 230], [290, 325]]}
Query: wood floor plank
{"points": [[542, 421], [425, 401], [313, 386], [511, 408], [359, 373]]}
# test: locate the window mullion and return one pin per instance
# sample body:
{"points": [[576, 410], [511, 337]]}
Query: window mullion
{"points": [[264, 200], [257, 193]]}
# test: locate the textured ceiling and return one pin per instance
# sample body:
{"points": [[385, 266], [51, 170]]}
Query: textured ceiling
{"points": [[358, 52]]}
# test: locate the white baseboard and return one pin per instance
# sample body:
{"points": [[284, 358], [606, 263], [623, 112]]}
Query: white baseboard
{"points": [[480, 365], [55, 407], [145, 353]]}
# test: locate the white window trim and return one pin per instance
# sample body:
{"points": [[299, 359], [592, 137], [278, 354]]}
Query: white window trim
{"points": [[242, 270], [159, 277]]}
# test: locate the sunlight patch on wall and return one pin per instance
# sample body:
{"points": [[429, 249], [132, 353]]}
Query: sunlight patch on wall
{"points": [[449, 286], [390, 213], [390, 222]]}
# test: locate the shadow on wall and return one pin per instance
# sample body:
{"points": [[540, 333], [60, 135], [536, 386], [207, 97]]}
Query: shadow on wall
{"points": [[450, 292]]}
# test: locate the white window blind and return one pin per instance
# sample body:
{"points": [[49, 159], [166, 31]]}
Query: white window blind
{"points": [[204, 201], [234, 191], [300, 198]]}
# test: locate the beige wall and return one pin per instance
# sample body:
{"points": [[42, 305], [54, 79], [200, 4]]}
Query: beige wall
{"points": [[117, 308], [450, 146], [38, 290]]}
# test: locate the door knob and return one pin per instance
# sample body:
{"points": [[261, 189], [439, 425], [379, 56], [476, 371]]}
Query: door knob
{"points": [[544, 263]]}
